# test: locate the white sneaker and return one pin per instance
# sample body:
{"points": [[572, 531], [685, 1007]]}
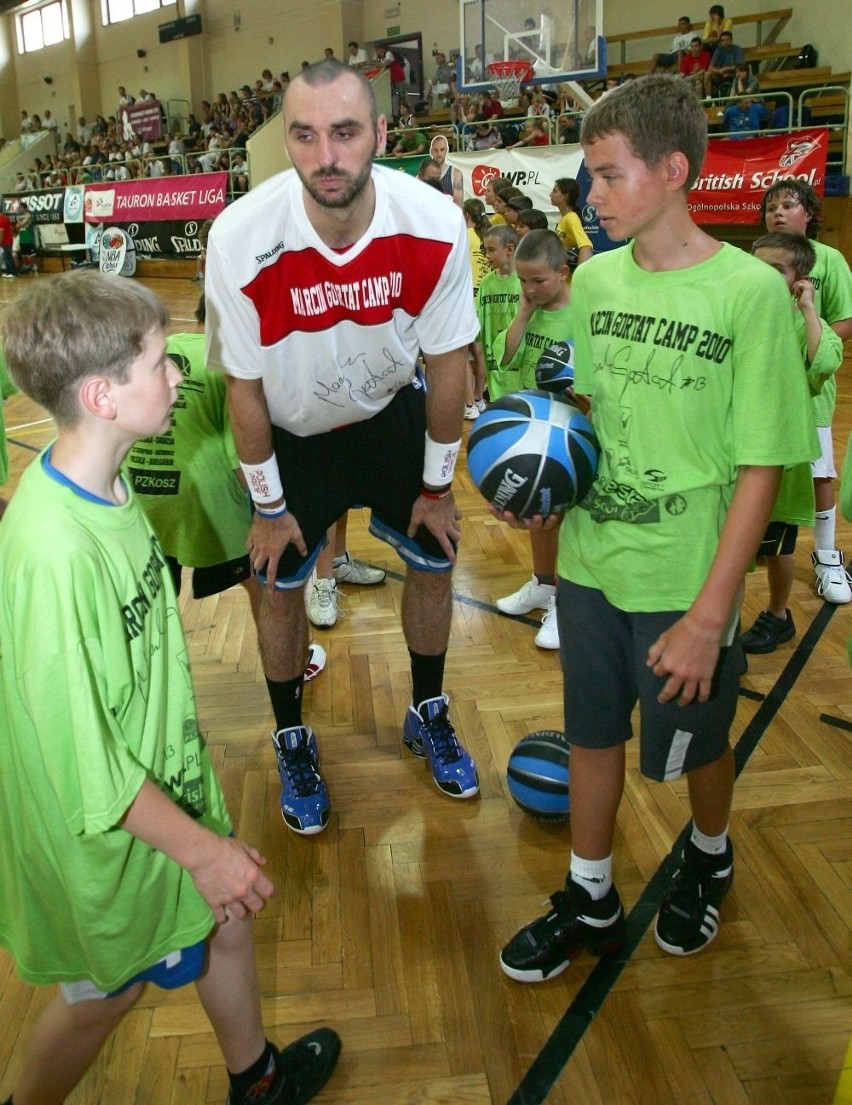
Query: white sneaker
{"points": [[533, 595], [316, 661], [322, 607], [480, 405], [832, 577], [548, 635], [471, 412], [356, 571]]}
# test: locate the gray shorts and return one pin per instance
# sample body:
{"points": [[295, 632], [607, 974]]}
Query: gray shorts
{"points": [[603, 652]]}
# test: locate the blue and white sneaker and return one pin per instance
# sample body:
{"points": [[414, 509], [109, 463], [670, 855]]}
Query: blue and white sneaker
{"points": [[427, 733], [304, 799]]}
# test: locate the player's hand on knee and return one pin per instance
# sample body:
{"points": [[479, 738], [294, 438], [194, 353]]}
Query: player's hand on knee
{"points": [[441, 517], [688, 655], [228, 875], [267, 540]]}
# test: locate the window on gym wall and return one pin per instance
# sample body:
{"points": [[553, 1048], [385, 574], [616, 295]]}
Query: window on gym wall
{"points": [[114, 11], [42, 26]]}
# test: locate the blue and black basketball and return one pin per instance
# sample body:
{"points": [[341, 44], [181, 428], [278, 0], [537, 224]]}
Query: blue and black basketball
{"points": [[538, 775], [532, 453], [555, 369]]}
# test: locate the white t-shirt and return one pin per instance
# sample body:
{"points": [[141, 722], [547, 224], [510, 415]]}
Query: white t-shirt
{"points": [[334, 335], [359, 57]]}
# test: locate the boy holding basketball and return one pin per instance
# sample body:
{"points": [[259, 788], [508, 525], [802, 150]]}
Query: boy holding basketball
{"points": [[544, 315], [115, 843], [687, 349]]}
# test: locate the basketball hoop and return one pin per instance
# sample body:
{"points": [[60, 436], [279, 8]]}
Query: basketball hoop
{"points": [[508, 76]]}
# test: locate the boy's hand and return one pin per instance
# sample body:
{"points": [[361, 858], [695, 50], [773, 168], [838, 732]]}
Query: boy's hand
{"points": [[803, 292], [687, 653], [229, 878], [267, 540], [537, 522]]}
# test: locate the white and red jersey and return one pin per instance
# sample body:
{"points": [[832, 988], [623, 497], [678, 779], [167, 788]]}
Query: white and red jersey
{"points": [[334, 335]]}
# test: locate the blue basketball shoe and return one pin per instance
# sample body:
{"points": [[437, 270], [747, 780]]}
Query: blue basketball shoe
{"points": [[304, 799], [427, 733]]}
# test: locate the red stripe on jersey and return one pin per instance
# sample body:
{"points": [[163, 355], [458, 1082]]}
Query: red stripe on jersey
{"points": [[302, 291]]}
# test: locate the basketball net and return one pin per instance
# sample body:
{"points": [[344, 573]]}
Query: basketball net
{"points": [[508, 76]]}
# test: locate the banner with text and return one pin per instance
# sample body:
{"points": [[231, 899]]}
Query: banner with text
{"points": [[199, 197], [737, 172], [143, 119]]}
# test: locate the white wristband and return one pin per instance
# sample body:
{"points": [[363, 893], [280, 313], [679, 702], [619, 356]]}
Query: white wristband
{"points": [[264, 481], [439, 461]]}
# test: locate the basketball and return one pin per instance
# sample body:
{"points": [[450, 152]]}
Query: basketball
{"points": [[538, 775], [532, 453], [555, 369]]}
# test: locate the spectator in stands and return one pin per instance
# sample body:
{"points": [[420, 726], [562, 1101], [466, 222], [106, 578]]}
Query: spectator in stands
{"points": [[743, 118], [409, 142], [713, 28], [535, 133], [430, 172], [694, 64], [538, 105], [266, 80], [680, 44], [476, 67], [357, 55], [745, 82], [20, 184], [443, 79], [723, 66], [26, 123], [610, 85], [176, 152], [462, 109], [489, 108], [392, 61], [486, 136], [50, 123]]}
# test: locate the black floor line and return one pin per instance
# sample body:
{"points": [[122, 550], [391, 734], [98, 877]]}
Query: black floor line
{"points": [[548, 1065], [837, 722], [478, 604], [755, 696], [24, 445]]}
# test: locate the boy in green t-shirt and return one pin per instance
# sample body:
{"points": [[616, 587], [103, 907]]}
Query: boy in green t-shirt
{"points": [[7, 388], [688, 352], [115, 843], [497, 297], [822, 352], [543, 316]]}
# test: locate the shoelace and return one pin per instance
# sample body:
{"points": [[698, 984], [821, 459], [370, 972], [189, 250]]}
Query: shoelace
{"points": [[443, 738], [300, 771]]}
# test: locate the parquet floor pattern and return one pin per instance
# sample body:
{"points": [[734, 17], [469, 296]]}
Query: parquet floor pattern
{"points": [[388, 925]]}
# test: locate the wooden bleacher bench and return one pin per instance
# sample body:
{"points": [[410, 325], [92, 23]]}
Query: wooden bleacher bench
{"points": [[787, 79], [779, 17], [758, 56]]}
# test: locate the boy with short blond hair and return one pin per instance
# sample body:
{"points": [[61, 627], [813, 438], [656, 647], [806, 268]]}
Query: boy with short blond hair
{"points": [[136, 875], [687, 349], [497, 296]]}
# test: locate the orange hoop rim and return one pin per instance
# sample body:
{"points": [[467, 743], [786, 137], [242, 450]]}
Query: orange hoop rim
{"points": [[521, 70]]}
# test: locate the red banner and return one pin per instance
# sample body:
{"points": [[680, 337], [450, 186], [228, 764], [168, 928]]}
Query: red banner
{"points": [[737, 172], [200, 196], [143, 119]]}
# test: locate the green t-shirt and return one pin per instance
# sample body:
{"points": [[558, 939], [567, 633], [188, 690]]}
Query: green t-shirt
{"points": [[832, 283], [795, 502], [496, 306], [95, 698], [691, 373], [185, 479], [543, 328]]}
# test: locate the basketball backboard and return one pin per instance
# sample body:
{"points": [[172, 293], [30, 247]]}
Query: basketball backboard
{"points": [[561, 39]]}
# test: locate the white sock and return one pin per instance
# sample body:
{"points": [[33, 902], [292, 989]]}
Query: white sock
{"points": [[594, 875], [338, 560], [712, 845], [824, 527]]}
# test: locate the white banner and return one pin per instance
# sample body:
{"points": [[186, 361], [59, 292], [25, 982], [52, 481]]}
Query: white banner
{"points": [[534, 171], [116, 254]]}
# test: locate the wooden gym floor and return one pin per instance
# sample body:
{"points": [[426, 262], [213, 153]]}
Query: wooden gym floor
{"points": [[388, 925]]}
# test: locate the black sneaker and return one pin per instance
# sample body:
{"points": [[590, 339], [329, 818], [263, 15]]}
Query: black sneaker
{"points": [[768, 632], [544, 948], [301, 1071], [689, 916]]}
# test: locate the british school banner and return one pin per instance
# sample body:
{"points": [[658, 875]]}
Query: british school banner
{"points": [[737, 172]]}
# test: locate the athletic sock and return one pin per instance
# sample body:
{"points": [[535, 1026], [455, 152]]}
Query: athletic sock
{"points": [[594, 875], [546, 581], [427, 676], [338, 560], [254, 1079], [286, 701], [824, 528], [712, 845]]}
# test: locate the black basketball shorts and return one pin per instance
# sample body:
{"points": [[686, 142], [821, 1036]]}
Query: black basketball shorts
{"points": [[603, 652], [779, 540], [377, 464]]}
